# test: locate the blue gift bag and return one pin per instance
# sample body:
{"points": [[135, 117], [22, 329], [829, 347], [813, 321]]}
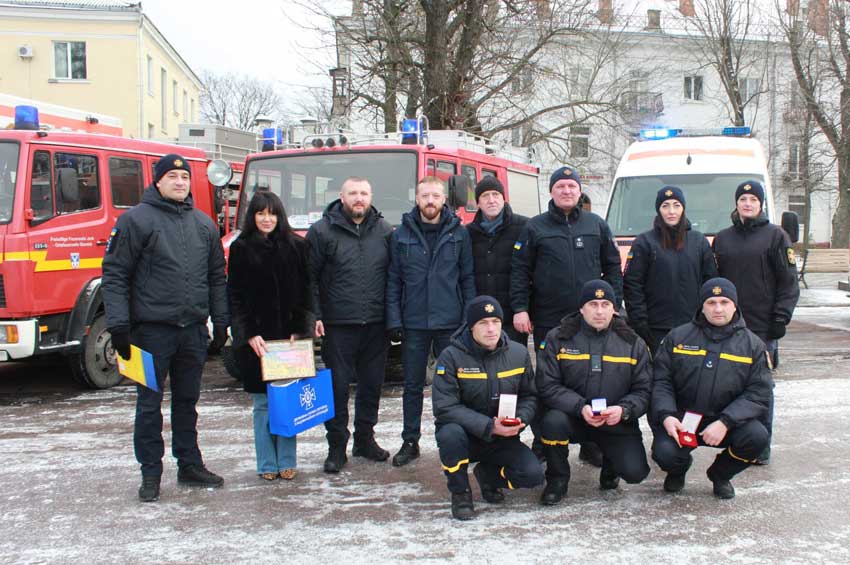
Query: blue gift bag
{"points": [[295, 406]]}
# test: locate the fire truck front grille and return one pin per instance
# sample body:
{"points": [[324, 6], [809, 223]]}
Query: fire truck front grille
{"points": [[2, 293]]}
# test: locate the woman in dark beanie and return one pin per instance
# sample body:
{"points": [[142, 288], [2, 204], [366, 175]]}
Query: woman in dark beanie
{"points": [[269, 293], [665, 269]]}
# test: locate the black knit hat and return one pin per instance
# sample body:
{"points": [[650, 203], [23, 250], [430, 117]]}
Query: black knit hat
{"points": [[564, 173], [669, 193], [482, 307], [488, 183], [753, 187], [169, 163], [718, 287], [596, 290]]}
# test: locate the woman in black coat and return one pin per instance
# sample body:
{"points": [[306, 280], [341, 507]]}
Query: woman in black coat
{"points": [[268, 288], [665, 270]]}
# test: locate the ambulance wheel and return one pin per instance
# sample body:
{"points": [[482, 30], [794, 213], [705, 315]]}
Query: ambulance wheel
{"points": [[95, 366], [229, 361]]}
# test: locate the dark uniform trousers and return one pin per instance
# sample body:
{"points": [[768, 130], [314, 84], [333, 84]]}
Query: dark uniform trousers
{"points": [[415, 347], [506, 462], [622, 451], [539, 335], [741, 446], [355, 353], [181, 354]]}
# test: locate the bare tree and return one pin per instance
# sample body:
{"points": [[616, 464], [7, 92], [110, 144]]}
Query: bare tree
{"points": [[237, 101]]}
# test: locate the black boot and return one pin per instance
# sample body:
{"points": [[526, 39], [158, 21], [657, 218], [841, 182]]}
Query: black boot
{"points": [[764, 457], [489, 493], [674, 483], [608, 479], [336, 459], [408, 452], [149, 490], [723, 489], [590, 453], [198, 476], [369, 449], [462, 507], [555, 491]]}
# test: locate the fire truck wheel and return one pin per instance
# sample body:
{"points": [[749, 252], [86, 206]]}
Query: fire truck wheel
{"points": [[95, 366], [229, 361]]}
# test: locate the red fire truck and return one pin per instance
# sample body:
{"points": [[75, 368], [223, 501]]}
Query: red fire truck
{"points": [[60, 194]]}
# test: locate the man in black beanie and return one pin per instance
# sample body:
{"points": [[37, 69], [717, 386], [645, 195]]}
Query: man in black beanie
{"points": [[494, 232], [711, 386], [758, 258], [483, 396], [594, 381]]}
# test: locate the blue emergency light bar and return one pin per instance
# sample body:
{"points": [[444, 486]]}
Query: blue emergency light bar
{"points": [[26, 117], [658, 133], [737, 131], [410, 131], [271, 138]]}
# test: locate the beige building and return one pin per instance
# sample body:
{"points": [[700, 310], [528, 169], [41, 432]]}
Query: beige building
{"points": [[95, 58]]}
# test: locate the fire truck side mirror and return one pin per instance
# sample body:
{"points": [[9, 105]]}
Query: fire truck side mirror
{"points": [[459, 186], [791, 225]]}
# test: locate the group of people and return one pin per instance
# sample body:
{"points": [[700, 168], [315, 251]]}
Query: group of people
{"points": [[471, 295]]}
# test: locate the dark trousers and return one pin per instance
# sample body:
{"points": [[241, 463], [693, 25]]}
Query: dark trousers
{"points": [[415, 348], [355, 353], [741, 446], [622, 451], [506, 462], [539, 336], [514, 335], [179, 353]]}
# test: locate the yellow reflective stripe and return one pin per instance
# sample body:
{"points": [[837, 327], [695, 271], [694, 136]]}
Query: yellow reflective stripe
{"points": [[573, 356], [18, 256], [502, 473], [688, 351], [510, 486], [729, 449], [471, 375], [554, 441], [43, 265], [457, 467], [610, 359], [512, 372], [737, 358]]}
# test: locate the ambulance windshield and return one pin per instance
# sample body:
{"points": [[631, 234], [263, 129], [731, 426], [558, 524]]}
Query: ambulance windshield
{"points": [[8, 174], [710, 200], [308, 182]]}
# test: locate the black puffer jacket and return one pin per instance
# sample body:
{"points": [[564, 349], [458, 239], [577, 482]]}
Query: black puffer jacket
{"points": [[556, 255], [349, 264], [719, 372], [757, 256], [661, 286], [164, 264], [493, 255], [469, 380]]}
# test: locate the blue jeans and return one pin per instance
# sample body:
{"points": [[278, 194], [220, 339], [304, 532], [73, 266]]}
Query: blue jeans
{"points": [[415, 348], [274, 453]]}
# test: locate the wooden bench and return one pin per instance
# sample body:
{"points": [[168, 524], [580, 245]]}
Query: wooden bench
{"points": [[826, 261]]}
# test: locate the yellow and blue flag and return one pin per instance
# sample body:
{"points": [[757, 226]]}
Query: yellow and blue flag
{"points": [[139, 367]]}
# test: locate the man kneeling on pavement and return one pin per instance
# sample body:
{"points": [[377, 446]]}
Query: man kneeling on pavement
{"points": [[716, 368], [594, 381], [480, 367]]}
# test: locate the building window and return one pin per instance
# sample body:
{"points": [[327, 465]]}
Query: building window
{"points": [[749, 89], [185, 105], [69, 59], [693, 87], [793, 171], [653, 19], [174, 103], [163, 76], [150, 75], [579, 141], [192, 115], [151, 131]]}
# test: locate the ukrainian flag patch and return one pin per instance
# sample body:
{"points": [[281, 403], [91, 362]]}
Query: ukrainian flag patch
{"points": [[441, 370], [542, 345], [518, 245]]}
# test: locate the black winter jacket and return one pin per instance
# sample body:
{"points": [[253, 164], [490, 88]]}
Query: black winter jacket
{"points": [[493, 255], [164, 264], [469, 380], [349, 264], [719, 372], [567, 382], [758, 258], [555, 256], [269, 291], [661, 286]]}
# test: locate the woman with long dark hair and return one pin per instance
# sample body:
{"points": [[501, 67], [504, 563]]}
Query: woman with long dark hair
{"points": [[268, 287], [665, 270]]}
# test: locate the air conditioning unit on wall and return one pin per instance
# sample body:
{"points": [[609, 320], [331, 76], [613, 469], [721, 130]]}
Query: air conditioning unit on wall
{"points": [[25, 52]]}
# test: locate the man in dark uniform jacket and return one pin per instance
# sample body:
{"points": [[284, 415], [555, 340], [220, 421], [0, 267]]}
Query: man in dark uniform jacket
{"points": [[758, 258], [494, 232], [593, 355], [163, 275], [717, 368], [479, 366]]}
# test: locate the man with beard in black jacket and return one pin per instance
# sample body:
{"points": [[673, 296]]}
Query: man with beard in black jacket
{"points": [[474, 372], [494, 232], [758, 258], [713, 367], [163, 275], [594, 382], [349, 255]]}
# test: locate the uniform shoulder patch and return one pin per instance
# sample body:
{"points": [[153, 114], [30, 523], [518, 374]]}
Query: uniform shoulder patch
{"points": [[792, 259], [441, 370], [113, 235], [518, 245]]}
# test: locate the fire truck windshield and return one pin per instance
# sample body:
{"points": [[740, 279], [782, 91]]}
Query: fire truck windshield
{"points": [[8, 175], [308, 182], [710, 201]]}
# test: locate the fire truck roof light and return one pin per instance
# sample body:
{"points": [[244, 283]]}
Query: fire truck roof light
{"points": [[410, 131], [658, 133], [737, 131], [26, 117]]}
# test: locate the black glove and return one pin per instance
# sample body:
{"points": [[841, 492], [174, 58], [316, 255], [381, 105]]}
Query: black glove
{"points": [[121, 342], [776, 330], [396, 334], [218, 340]]}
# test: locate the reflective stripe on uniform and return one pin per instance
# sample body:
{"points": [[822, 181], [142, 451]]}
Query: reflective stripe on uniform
{"points": [[573, 356], [512, 372], [471, 375], [628, 360], [554, 441], [737, 358], [457, 467], [502, 473], [688, 351], [733, 456]]}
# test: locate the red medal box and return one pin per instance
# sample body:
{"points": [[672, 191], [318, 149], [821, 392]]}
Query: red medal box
{"points": [[687, 439]]}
